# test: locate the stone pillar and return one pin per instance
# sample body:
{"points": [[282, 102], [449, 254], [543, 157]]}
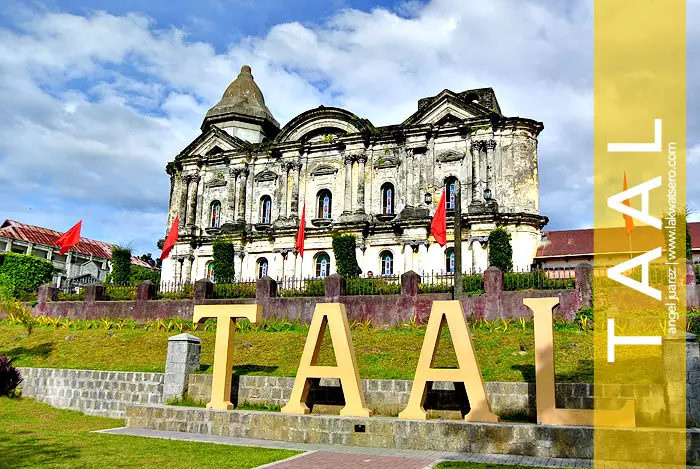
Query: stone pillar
{"points": [[296, 170], [335, 286], [476, 171], [69, 263], [284, 190], [361, 160], [94, 292], [242, 181], [407, 257], [490, 160], [187, 268], [493, 288], [584, 284], [409, 283], [172, 200], [46, 293], [177, 268], [239, 265], [192, 200], [182, 203], [409, 178], [691, 288], [422, 256], [182, 360], [203, 290], [146, 291], [681, 379], [265, 288], [231, 196], [347, 206]]}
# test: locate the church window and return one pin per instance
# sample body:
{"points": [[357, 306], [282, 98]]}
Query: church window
{"points": [[210, 271], [216, 214], [323, 265], [325, 199], [387, 263], [265, 209], [450, 184], [387, 199], [450, 261], [262, 267]]}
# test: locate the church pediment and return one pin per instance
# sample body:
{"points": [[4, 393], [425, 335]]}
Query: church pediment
{"points": [[213, 142], [449, 155], [448, 108], [317, 124], [324, 170], [265, 175]]}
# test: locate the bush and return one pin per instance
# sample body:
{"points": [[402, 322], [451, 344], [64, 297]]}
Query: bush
{"points": [[224, 256], [234, 290], [311, 288], [20, 273], [500, 250], [10, 377], [371, 286], [138, 274], [345, 255], [121, 265], [473, 284]]}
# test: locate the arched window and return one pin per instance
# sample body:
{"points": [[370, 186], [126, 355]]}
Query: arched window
{"points": [[266, 210], [450, 184], [262, 267], [322, 264], [450, 261], [325, 199], [386, 263], [215, 214], [388, 199], [210, 271]]}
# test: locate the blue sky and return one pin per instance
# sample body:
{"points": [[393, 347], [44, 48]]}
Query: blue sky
{"points": [[96, 100]]}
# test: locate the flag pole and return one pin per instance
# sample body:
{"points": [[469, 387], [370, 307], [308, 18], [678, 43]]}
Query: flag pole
{"points": [[458, 287]]}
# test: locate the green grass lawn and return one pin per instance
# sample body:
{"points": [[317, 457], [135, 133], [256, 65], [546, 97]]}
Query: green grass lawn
{"points": [[33, 434], [381, 354]]}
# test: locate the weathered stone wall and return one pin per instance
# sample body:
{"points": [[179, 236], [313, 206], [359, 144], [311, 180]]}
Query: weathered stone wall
{"points": [[548, 441], [101, 393], [389, 397]]}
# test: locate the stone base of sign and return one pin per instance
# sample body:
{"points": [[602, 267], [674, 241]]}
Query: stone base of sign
{"points": [[378, 432]]}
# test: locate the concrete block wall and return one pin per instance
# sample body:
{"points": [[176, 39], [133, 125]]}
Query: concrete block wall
{"points": [[100, 393]]}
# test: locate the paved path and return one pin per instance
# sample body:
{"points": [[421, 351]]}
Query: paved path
{"points": [[341, 457]]}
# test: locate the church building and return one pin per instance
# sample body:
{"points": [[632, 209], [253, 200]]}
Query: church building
{"points": [[247, 179]]}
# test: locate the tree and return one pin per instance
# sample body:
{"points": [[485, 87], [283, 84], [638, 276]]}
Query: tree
{"points": [[500, 250], [148, 258], [224, 256], [121, 265], [345, 255], [141, 274], [20, 273]]}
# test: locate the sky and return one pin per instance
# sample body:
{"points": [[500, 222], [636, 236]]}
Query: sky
{"points": [[97, 99]]}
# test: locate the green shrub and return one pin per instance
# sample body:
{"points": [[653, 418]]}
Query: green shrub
{"points": [[500, 250], [186, 293], [64, 296], [535, 280], [121, 266], [344, 250], [311, 288], [234, 290], [120, 293], [20, 273], [473, 284], [371, 286], [138, 274], [224, 257]]}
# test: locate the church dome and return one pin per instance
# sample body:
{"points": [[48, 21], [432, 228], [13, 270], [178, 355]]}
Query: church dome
{"points": [[242, 97]]}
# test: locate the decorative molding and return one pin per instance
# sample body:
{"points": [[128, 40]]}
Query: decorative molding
{"points": [[215, 182], [265, 175], [386, 162], [476, 146], [324, 170], [362, 159], [490, 145], [449, 155]]}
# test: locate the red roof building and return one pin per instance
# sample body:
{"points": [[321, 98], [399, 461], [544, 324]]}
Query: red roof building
{"points": [[88, 259]]}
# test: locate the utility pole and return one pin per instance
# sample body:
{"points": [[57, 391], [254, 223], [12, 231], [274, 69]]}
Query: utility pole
{"points": [[458, 287]]}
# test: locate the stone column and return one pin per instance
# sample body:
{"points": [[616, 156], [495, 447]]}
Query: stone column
{"points": [[177, 268], [69, 263], [284, 190], [407, 257], [361, 160], [182, 360], [172, 201], [490, 160], [182, 203], [187, 268], [296, 170], [409, 283], [422, 256], [231, 196], [192, 199], [347, 206], [409, 178], [682, 380], [242, 180], [239, 265], [203, 290], [476, 171]]}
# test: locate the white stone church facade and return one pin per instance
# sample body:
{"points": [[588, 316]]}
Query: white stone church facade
{"points": [[247, 179]]}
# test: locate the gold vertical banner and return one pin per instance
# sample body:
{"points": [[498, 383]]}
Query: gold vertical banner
{"points": [[639, 220]]}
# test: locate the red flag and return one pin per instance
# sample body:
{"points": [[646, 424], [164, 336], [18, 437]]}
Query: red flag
{"points": [[300, 234], [629, 222], [438, 227], [170, 240], [69, 239]]}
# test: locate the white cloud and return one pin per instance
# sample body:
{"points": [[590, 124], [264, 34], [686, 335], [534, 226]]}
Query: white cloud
{"points": [[94, 106]]}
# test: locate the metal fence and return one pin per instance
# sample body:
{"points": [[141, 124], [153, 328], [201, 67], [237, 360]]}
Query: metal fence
{"points": [[295, 287], [382, 285], [557, 278], [240, 289], [175, 291]]}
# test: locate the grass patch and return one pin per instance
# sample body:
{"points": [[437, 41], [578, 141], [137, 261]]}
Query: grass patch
{"points": [[34, 434], [504, 355]]}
